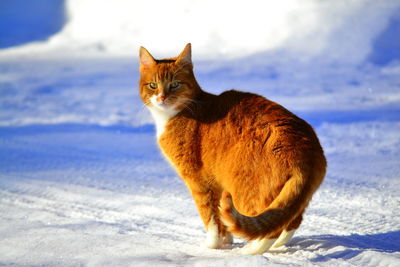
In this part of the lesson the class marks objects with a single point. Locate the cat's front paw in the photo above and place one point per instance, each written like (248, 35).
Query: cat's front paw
(214, 242)
(217, 242)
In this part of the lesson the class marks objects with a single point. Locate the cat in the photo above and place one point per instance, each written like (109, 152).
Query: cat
(251, 165)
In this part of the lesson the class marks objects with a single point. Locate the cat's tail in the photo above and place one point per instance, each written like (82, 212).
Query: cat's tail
(286, 207)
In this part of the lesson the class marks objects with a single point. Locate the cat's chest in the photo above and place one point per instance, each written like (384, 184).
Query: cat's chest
(161, 118)
(180, 143)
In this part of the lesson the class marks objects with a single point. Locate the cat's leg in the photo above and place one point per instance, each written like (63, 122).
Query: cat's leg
(288, 233)
(217, 238)
(214, 238)
(207, 202)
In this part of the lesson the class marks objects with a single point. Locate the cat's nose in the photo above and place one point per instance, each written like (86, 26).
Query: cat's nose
(161, 97)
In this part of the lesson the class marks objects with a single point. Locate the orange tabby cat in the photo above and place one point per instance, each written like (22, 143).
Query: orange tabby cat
(251, 165)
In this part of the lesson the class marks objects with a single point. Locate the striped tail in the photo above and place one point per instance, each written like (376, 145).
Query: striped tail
(286, 207)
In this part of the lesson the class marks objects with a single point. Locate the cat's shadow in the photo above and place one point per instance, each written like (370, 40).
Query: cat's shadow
(351, 245)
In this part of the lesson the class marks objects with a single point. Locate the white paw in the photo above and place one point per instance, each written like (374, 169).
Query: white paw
(283, 238)
(258, 246)
(214, 240)
(214, 244)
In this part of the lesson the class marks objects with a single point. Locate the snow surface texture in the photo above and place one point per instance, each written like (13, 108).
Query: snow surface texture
(82, 181)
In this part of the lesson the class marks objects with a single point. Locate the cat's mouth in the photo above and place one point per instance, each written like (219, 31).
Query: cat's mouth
(161, 104)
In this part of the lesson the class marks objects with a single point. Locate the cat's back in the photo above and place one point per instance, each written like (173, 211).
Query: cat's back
(248, 120)
(243, 108)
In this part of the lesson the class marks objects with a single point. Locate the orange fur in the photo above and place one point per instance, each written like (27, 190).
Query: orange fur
(251, 165)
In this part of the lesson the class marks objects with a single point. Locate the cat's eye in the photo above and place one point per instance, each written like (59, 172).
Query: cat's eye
(174, 85)
(153, 85)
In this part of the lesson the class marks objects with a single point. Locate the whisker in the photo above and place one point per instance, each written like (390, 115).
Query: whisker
(190, 100)
(187, 103)
(144, 106)
(187, 106)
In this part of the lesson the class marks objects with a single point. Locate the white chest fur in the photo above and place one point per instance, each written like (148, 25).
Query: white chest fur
(161, 118)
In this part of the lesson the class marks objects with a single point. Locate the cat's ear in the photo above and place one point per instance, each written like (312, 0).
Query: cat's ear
(185, 57)
(146, 59)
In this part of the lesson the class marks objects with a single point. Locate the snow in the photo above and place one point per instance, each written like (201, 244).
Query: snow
(82, 182)
(337, 30)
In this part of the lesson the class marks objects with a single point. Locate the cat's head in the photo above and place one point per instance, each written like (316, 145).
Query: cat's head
(167, 85)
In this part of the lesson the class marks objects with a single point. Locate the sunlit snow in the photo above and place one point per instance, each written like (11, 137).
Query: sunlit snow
(82, 182)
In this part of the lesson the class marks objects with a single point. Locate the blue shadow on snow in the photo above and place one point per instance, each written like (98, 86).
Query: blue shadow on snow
(66, 146)
(24, 21)
(316, 118)
(354, 244)
(386, 46)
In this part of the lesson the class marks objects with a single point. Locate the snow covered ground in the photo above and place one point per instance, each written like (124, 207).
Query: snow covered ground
(82, 182)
